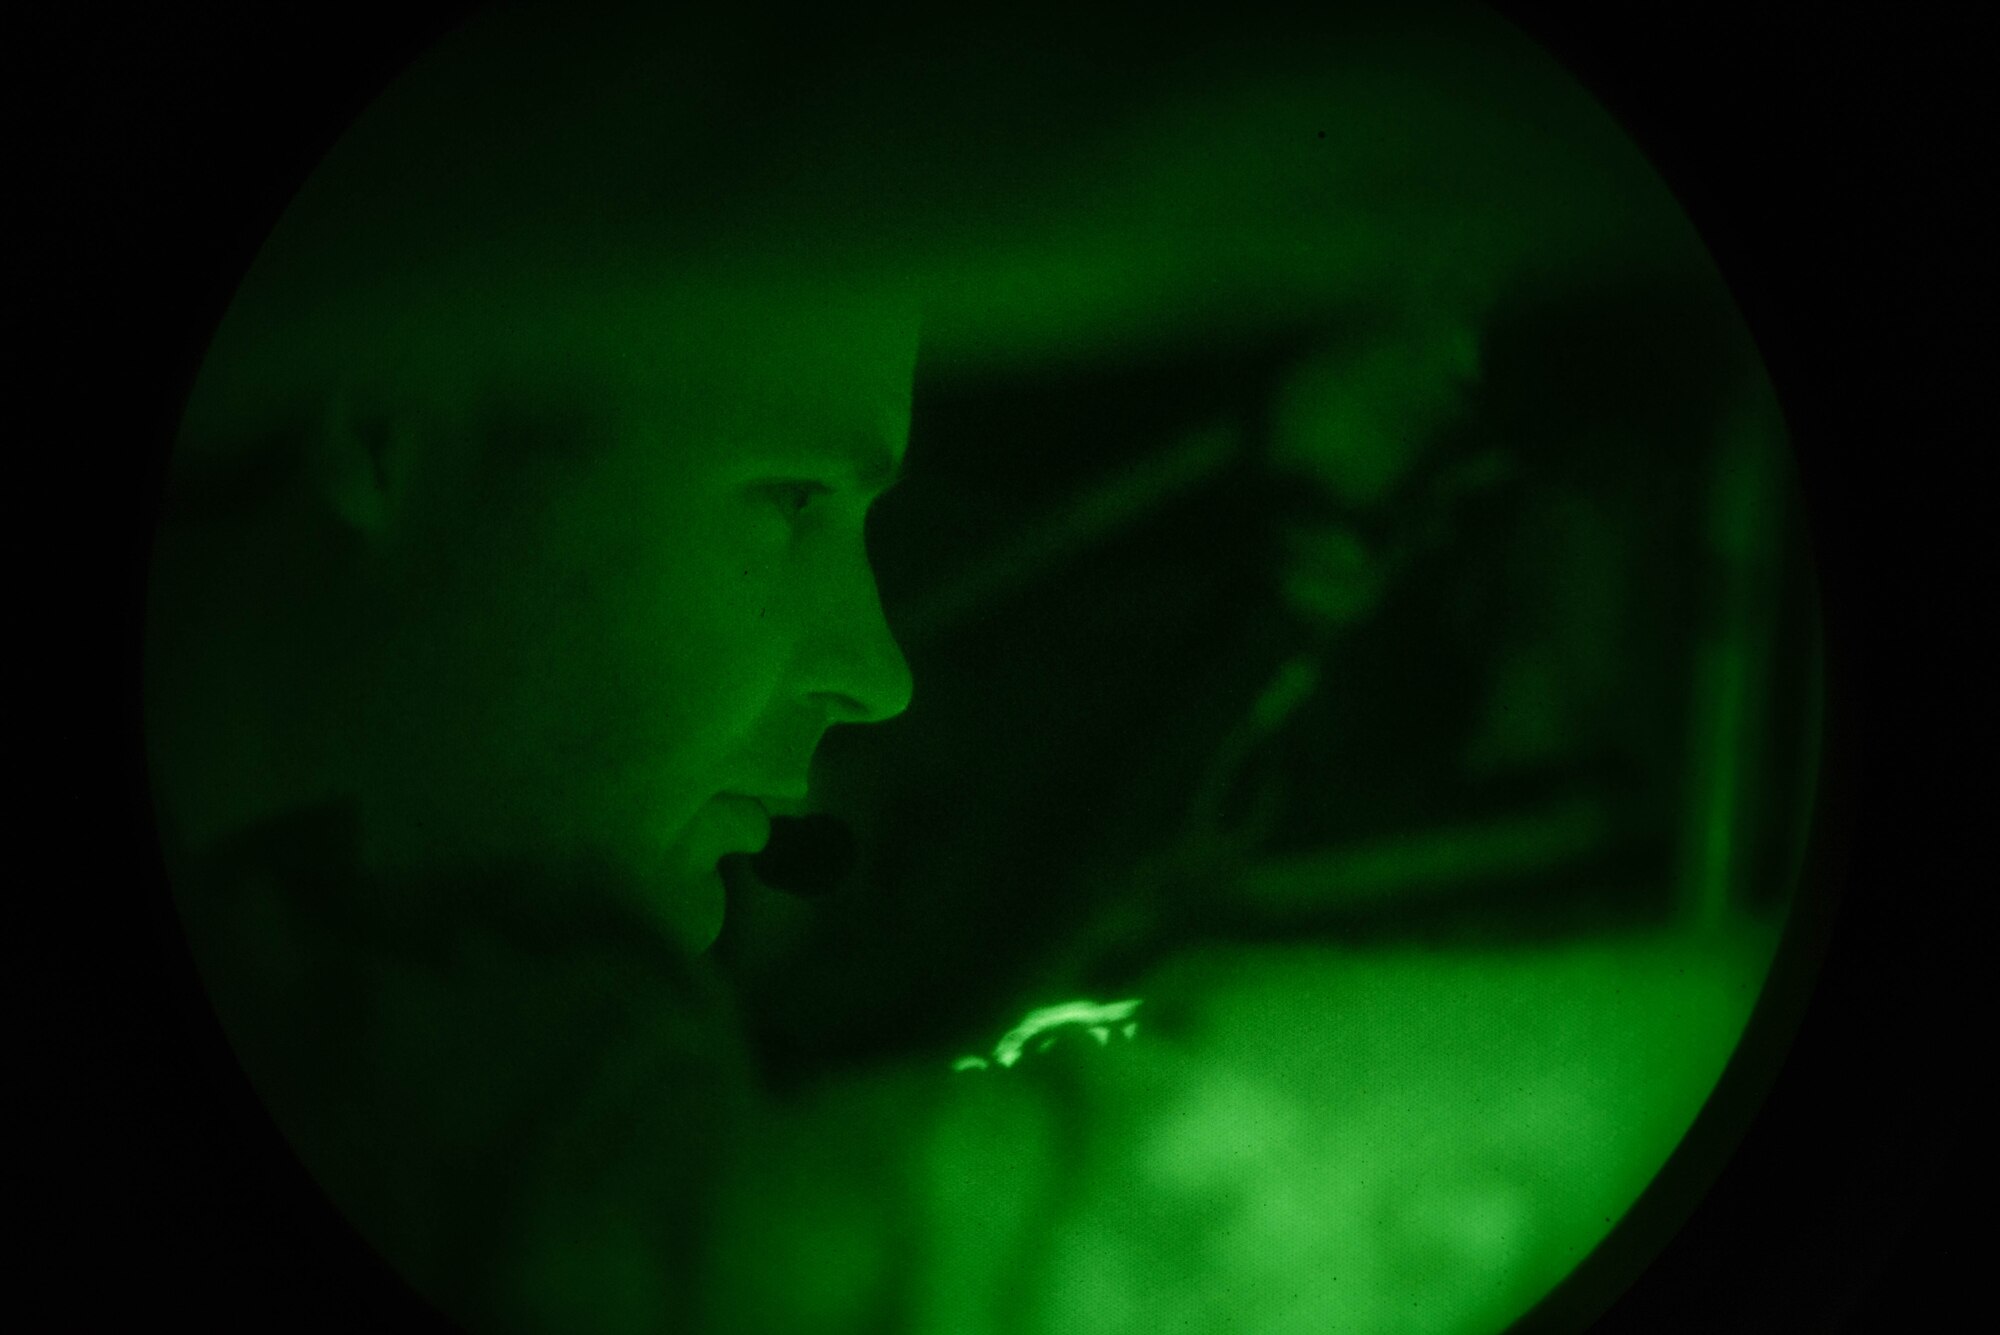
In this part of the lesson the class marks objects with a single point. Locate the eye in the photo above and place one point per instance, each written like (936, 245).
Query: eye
(792, 498)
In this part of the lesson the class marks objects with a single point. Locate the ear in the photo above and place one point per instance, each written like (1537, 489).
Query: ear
(361, 465)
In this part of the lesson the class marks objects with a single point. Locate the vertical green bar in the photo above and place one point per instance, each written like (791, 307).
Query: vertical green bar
(1711, 836)
(1730, 703)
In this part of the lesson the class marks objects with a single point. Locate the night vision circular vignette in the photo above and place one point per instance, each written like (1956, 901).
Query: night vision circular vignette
(823, 675)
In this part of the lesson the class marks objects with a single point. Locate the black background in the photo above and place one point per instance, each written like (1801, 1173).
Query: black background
(1829, 159)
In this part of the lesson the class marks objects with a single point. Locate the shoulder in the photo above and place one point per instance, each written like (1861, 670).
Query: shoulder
(468, 1064)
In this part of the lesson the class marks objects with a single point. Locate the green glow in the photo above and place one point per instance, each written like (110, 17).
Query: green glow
(1093, 1017)
(518, 514)
(1406, 1141)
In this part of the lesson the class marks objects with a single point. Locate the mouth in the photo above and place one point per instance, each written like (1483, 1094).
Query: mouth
(790, 802)
(811, 856)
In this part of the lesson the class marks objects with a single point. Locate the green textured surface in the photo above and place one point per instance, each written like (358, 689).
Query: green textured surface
(1317, 1139)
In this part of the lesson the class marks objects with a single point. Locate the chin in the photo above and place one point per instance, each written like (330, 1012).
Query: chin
(692, 910)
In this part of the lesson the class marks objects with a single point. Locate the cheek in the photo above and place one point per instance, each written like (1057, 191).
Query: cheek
(653, 634)
(688, 640)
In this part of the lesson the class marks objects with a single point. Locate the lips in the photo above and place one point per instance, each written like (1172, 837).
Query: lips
(749, 822)
(789, 803)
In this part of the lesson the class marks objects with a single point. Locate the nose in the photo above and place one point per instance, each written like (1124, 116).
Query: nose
(858, 671)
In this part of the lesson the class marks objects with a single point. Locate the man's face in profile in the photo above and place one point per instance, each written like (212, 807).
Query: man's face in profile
(626, 586)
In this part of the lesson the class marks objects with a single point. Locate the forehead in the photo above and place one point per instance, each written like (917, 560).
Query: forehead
(750, 375)
(771, 358)
(749, 344)
(779, 386)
